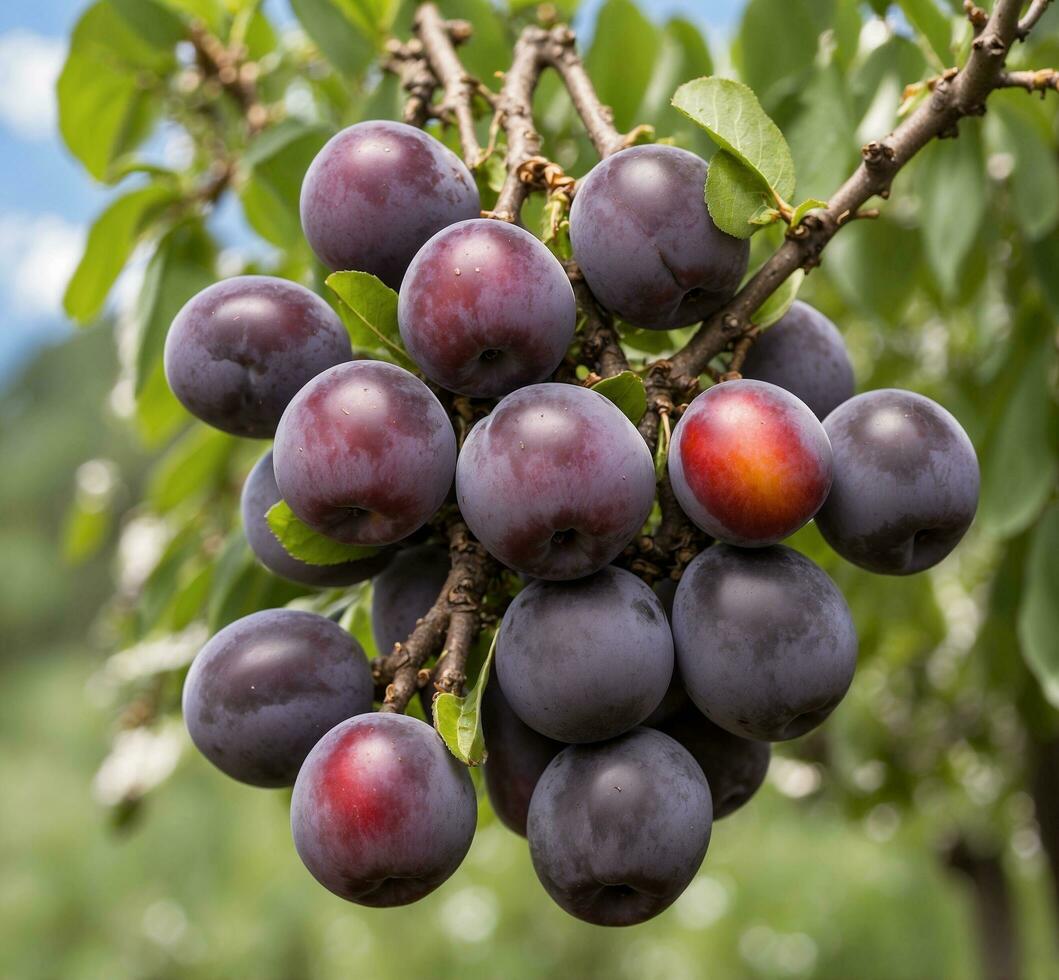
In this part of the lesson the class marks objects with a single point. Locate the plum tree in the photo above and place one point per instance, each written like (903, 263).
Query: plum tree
(405, 591)
(906, 482)
(749, 463)
(260, 493)
(555, 482)
(239, 351)
(618, 830)
(734, 767)
(804, 353)
(587, 660)
(382, 813)
(365, 453)
(485, 308)
(263, 691)
(377, 191)
(764, 639)
(646, 243)
(517, 757)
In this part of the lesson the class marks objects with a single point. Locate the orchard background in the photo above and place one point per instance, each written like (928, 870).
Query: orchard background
(915, 835)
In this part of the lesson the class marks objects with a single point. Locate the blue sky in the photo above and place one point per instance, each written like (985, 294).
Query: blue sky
(46, 200)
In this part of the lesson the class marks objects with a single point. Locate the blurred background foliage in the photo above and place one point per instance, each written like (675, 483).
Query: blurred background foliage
(916, 835)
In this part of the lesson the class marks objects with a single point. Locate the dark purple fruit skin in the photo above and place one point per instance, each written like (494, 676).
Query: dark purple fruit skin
(645, 242)
(587, 660)
(377, 191)
(260, 493)
(517, 756)
(555, 482)
(734, 767)
(905, 484)
(239, 351)
(365, 453)
(405, 591)
(266, 688)
(485, 308)
(765, 641)
(382, 812)
(804, 353)
(618, 830)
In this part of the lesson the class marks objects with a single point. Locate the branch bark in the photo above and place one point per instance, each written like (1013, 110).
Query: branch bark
(453, 619)
(954, 97)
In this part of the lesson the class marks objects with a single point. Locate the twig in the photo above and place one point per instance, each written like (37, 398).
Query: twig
(438, 38)
(1032, 81)
(453, 618)
(952, 99)
(236, 76)
(1030, 18)
(407, 62)
(600, 343)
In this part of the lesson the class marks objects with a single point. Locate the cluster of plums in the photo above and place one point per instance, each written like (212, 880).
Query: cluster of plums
(620, 720)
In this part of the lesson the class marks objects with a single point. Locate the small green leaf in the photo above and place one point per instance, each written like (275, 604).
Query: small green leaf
(356, 620)
(1034, 182)
(777, 305)
(458, 720)
(926, 18)
(735, 196)
(662, 453)
(1038, 623)
(622, 59)
(193, 466)
(627, 391)
(812, 204)
(302, 542)
(335, 35)
(730, 112)
(110, 243)
(369, 310)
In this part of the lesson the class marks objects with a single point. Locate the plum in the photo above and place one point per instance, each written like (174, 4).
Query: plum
(586, 660)
(240, 350)
(646, 243)
(765, 642)
(267, 687)
(617, 830)
(906, 482)
(377, 191)
(749, 463)
(382, 812)
(365, 453)
(485, 308)
(804, 353)
(555, 482)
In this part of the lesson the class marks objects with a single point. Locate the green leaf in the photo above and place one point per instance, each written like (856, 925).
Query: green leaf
(302, 542)
(374, 18)
(181, 266)
(278, 159)
(730, 112)
(333, 33)
(622, 59)
(777, 305)
(659, 342)
(369, 310)
(953, 192)
(822, 139)
(627, 391)
(356, 620)
(1020, 460)
(1034, 180)
(458, 720)
(111, 241)
(935, 26)
(662, 453)
(737, 200)
(211, 12)
(777, 44)
(106, 102)
(154, 22)
(194, 466)
(799, 213)
(1038, 622)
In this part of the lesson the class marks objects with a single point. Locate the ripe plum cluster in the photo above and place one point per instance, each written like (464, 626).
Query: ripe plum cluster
(620, 720)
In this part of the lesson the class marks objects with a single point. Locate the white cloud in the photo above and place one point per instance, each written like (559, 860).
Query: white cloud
(38, 254)
(29, 68)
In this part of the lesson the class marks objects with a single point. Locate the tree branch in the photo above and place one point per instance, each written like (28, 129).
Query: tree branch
(954, 97)
(600, 343)
(1030, 18)
(453, 618)
(407, 62)
(1032, 81)
(235, 75)
(438, 38)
